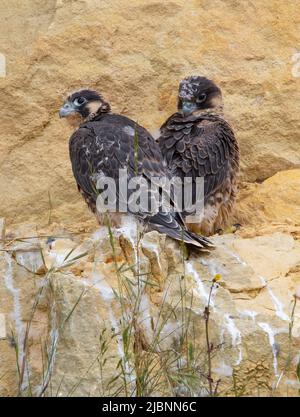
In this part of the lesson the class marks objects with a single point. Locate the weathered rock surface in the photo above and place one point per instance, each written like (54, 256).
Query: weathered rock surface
(274, 202)
(90, 330)
(136, 54)
(77, 314)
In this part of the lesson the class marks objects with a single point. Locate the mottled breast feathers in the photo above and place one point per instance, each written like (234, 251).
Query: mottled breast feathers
(204, 145)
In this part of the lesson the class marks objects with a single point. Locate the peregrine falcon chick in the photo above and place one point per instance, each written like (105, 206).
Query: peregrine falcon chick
(103, 144)
(198, 142)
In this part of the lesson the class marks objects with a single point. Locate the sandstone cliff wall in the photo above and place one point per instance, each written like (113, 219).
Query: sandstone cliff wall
(136, 53)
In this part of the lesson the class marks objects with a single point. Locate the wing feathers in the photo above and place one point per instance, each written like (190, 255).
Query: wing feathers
(206, 147)
(103, 146)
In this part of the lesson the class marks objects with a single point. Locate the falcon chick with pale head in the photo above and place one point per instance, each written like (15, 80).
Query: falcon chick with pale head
(198, 142)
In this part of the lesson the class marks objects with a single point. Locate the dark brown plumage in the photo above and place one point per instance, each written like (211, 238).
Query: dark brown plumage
(106, 142)
(198, 142)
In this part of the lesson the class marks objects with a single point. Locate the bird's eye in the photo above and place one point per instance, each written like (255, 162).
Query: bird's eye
(201, 98)
(79, 101)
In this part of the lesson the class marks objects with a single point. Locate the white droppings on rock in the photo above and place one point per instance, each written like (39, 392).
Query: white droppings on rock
(236, 336)
(100, 234)
(201, 290)
(248, 313)
(145, 315)
(223, 370)
(57, 259)
(128, 368)
(235, 256)
(263, 281)
(271, 332)
(169, 332)
(292, 383)
(31, 260)
(107, 294)
(16, 313)
(99, 282)
(213, 267)
(277, 303)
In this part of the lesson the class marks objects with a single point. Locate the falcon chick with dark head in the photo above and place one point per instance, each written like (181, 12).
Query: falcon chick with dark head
(105, 142)
(198, 142)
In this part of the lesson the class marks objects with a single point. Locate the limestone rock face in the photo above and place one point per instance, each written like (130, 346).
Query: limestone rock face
(135, 54)
(108, 317)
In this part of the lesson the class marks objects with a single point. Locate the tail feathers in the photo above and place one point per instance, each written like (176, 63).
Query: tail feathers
(198, 241)
(166, 223)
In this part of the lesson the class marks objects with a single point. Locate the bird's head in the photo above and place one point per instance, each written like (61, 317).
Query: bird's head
(198, 93)
(83, 105)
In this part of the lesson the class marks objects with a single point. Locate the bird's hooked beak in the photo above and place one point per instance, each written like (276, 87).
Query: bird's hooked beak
(67, 109)
(188, 107)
